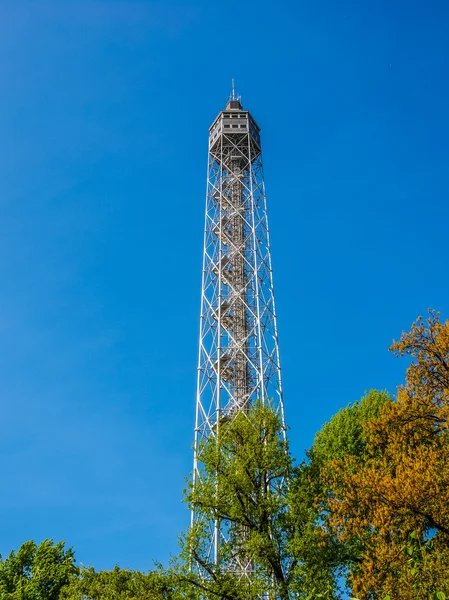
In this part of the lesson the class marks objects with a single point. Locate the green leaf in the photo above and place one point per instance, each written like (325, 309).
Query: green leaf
(441, 596)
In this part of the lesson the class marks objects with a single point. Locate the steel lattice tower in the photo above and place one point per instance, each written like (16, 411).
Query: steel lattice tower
(238, 347)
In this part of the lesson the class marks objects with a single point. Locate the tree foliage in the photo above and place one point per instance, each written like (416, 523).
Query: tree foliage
(341, 438)
(344, 434)
(119, 584)
(394, 497)
(368, 506)
(249, 483)
(36, 572)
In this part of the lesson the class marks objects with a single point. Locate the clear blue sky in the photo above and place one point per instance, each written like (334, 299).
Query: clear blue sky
(104, 114)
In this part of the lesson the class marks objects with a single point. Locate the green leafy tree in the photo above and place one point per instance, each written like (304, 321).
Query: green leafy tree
(343, 435)
(36, 572)
(250, 485)
(120, 584)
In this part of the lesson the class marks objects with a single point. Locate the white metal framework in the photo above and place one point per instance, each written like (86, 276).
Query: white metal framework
(238, 346)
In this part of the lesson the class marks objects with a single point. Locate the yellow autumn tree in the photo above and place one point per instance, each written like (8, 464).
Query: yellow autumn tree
(394, 498)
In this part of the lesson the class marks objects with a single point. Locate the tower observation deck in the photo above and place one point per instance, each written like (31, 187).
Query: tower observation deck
(238, 359)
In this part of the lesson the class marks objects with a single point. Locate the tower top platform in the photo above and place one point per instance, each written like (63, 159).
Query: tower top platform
(234, 121)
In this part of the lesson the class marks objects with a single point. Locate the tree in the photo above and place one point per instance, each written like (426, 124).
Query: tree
(394, 498)
(119, 584)
(250, 485)
(36, 572)
(342, 437)
(344, 434)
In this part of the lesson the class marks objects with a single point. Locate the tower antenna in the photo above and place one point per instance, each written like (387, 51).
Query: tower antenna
(234, 97)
